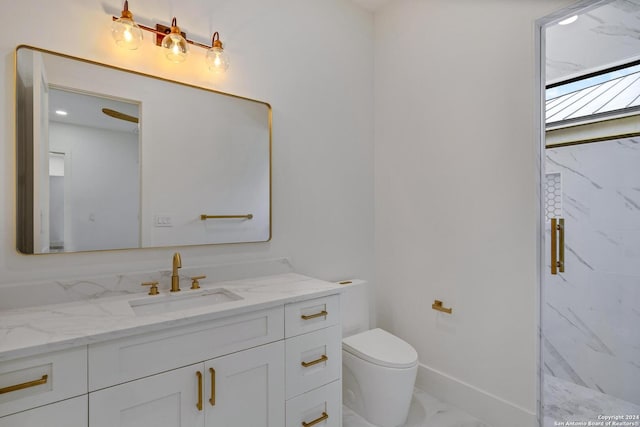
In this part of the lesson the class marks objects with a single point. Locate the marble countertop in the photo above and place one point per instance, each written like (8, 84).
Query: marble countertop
(36, 330)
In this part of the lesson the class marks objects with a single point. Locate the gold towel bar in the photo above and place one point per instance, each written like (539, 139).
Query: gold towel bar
(205, 217)
(437, 305)
(22, 386)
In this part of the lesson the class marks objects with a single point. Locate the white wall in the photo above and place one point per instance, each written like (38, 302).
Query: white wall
(455, 196)
(102, 181)
(284, 52)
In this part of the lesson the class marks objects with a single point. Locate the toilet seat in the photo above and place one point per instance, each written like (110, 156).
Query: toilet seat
(381, 348)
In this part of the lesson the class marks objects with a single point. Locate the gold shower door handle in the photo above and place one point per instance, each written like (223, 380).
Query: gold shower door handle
(557, 245)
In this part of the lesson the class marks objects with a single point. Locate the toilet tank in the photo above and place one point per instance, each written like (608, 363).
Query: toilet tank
(355, 306)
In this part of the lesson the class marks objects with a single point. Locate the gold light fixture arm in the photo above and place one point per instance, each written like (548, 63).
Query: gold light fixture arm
(163, 33)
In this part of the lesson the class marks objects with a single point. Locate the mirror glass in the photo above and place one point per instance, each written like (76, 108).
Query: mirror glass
(111, 159)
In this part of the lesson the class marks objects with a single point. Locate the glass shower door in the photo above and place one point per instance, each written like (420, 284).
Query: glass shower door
(591, 304)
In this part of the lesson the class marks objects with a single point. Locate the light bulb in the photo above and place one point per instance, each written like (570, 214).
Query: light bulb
(175, 44)
(125, 31)
(217, 59)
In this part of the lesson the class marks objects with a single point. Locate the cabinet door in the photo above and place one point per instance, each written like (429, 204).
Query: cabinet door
(163, 400)
(68, 413)
(246, 388)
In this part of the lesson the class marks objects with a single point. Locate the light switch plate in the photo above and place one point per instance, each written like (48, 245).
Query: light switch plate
(162, 221)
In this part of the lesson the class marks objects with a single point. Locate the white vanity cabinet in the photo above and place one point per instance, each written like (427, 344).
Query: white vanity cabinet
(31, 386)
(313, 363)
(243, 388)
(260, 367)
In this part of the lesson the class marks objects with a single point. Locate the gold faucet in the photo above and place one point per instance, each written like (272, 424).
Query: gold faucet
(175, 279)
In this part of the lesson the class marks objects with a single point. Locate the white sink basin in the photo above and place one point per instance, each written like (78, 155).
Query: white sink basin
(182, 301)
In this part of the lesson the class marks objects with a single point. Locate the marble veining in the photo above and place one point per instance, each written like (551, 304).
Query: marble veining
(565, 401)
(38, 329)
(425, 411)
(590, 312)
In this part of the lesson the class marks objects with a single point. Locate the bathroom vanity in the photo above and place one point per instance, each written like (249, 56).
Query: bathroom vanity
(254, 352)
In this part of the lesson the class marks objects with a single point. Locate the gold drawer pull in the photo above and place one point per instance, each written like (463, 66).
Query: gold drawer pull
(199, 404)
(22, 386)
(437, 305)
(322, 358)
(313, 316)
(212, 401)
(323, 417)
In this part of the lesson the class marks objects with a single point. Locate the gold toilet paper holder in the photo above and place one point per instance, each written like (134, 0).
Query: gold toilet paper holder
(437, 305)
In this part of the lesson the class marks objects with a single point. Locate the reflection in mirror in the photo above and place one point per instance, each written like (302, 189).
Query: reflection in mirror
(110, 159)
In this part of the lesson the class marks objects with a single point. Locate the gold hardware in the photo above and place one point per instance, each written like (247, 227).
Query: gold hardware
(199, 404)
(195, 284)
(121, 116)
(346, 282)
(323, 417)
(175, 279)
(557, 245)
(321, 359)
(437, 305)
(153, 290)
(212, 401)
(204, 217)
(561, 245)
(313, 316)
(22, 386)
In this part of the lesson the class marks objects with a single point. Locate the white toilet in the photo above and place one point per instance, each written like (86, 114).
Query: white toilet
(379, 371)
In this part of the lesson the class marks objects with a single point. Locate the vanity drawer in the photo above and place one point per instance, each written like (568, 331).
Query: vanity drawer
(311, 315)
(323, 404)
(40, 380)
(312, 360)
(68, 413)
(126, 359)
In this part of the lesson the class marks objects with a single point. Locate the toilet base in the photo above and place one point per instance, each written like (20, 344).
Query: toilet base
(379, 394)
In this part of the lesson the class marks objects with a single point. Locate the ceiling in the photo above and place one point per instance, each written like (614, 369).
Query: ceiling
(601, 37)
(86, 110)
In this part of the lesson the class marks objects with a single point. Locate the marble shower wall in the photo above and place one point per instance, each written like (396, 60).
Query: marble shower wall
(591, 312)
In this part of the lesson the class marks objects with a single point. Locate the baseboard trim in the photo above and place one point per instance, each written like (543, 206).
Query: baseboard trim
(490, 409)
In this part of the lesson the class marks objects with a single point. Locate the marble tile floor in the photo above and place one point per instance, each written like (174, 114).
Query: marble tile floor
(565, 401)
(425, 411)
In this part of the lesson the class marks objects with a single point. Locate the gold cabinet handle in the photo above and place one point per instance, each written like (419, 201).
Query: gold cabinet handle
(557, 245)
(437, 305)
(22, 386)
(313, 316)
(320, 419)
(199, 404)
(321, 359)
(212, 401)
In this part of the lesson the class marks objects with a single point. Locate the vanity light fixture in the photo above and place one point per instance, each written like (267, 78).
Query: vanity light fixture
(216, 58)
(128, 34)
(175, 44)
(61, 112)
(125, 31)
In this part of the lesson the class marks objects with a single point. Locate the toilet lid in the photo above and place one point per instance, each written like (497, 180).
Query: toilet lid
(381, 348)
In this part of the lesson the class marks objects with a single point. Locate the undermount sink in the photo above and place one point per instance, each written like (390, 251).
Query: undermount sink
(167, 303)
